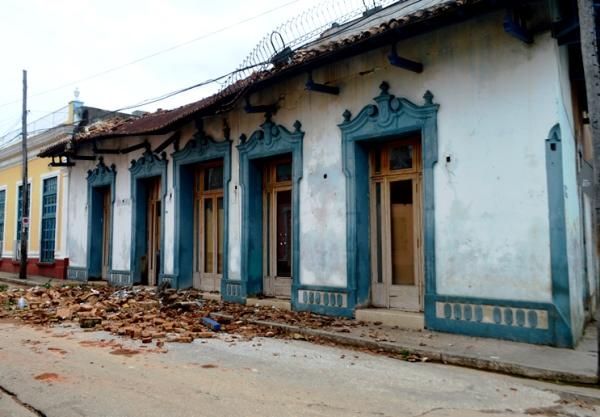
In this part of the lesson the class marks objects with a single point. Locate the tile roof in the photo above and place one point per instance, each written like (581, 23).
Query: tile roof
(399, 15)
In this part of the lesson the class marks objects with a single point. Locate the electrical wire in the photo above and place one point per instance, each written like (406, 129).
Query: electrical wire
(216, 79)
(152, 55)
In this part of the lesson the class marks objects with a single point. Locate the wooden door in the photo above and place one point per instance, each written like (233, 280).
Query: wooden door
(106, 231)
(208, 226)
(153, 229)
(396, 249)
(277, 228)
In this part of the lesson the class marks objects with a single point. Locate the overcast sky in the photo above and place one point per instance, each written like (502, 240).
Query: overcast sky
(62, 41)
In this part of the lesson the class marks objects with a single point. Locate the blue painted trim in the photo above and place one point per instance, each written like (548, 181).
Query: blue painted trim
(457, 321)
(101, 176)
(559, 260)
(390, 117)
(119, 278)
(147, 166)
(77, 273)
(270, 140)
(559, 330)
(328, 302)
(233, 291)
(201, 148)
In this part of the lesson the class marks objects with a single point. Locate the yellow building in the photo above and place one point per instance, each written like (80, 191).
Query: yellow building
(46, 251)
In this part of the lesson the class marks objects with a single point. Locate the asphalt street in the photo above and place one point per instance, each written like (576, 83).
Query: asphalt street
(65, 371)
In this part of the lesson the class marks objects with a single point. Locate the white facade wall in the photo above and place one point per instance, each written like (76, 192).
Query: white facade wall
(498, 100)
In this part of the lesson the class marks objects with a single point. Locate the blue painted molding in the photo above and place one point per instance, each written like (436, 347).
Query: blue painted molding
(147, 166)
(523, 321)
(77, 273)
(200, 148)
(270, 140)
(101, 176)
(520, 321)
(390, 117)
(559, 260)
(333, 301)
(120, 278)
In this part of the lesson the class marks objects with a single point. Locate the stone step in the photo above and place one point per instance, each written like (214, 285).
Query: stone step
(402, 319)
(270, 302)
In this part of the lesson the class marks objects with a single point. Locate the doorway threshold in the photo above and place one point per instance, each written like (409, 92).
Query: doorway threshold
(279, 303)
(390, 317)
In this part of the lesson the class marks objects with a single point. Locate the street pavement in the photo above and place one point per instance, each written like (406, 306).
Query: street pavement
(65, 371)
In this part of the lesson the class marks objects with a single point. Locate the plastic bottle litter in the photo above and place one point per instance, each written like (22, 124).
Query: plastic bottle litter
(22, 303)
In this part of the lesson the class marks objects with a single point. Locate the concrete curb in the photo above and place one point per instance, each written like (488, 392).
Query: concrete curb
(53, 282)
(433, 355)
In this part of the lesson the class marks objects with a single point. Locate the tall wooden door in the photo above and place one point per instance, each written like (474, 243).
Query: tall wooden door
(208, 227)
(396, 237)
(153, 208)
(277, 228)
(106, 230)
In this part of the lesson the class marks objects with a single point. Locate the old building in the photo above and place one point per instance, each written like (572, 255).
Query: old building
(429, 159)
(47, 197)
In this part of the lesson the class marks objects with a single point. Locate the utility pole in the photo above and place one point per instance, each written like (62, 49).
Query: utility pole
(25, 187)
(591, 69)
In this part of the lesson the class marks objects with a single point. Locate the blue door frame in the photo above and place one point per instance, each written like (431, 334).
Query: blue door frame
(390, 117)
(147, 166)
(526, 321)
(201, 148)
(98, 178)
(268, 141)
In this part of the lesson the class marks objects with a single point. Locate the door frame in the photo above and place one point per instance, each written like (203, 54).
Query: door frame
(147, 166)
(391, 117)
(100, 176)
(268, 141)
(271, 187)
(200, 148)
(386, 289)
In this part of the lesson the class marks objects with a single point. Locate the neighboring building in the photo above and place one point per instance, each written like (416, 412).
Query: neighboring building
(431, 159)
(47, 193)
(48, 190)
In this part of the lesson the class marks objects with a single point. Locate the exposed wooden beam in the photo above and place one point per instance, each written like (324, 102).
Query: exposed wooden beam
(320, 88)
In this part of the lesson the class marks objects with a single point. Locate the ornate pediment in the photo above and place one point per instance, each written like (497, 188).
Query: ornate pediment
(388, 113)
(102, 174)
(149, 162)
(270, 135)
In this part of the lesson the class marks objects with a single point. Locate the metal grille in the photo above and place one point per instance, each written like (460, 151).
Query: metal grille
(20, 211)
(304, 28)
(48, 220)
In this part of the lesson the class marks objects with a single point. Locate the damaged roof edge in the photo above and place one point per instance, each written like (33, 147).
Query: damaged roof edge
(445, 14)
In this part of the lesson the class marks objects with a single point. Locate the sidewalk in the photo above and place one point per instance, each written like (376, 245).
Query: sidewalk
(520, 359)
(33, 280)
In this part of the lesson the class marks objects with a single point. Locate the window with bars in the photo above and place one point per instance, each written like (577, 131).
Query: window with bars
(2, 208)
(48, 220)
(20, 210)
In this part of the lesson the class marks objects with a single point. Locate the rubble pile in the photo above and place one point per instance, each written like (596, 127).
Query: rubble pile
(149, 315)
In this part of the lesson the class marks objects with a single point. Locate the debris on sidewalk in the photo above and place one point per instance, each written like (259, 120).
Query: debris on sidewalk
(149, 315)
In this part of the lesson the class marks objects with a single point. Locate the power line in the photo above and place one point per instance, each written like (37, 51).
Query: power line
(152, 55)
(218, 78)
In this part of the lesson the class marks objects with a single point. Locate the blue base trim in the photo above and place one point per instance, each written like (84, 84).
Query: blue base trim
(330, 301)
(76, 273)
(519, 321)
(233, 291)
(170, 278)
(120, 278)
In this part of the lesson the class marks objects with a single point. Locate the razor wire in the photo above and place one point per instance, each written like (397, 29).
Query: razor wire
(302, 29)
